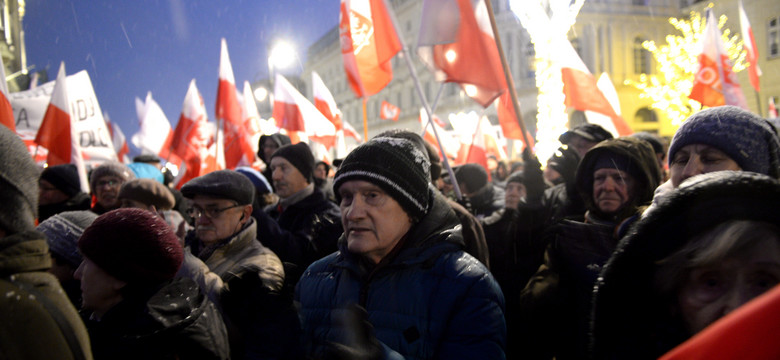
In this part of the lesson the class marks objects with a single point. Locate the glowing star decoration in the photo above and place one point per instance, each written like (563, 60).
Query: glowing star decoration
(677, 62)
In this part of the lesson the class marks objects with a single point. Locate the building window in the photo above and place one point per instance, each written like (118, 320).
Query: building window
(773, 37)
(646, 115)
(530, 58)
(641, 57)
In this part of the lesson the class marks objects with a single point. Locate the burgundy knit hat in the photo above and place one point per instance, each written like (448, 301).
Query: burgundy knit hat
(133, 245)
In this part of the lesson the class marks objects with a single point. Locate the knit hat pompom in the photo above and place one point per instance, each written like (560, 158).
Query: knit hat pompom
(396, 166)
(18, 184)
(300, 156)
(746, 138)
(133, 245)
(111, 168)
(63, 231)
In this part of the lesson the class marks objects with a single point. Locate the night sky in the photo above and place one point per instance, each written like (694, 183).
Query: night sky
(132, 47)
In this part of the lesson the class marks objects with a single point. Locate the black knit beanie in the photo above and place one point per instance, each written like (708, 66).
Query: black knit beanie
(396, 166)
(474, 176)
(222, 184)
(133, 245)
(745, 137)
(300, 156)
(111, 168)
(63, 177)
(18, 184)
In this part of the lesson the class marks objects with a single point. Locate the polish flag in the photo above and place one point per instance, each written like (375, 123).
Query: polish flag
(351, 132)
(492, 143)
(772, 109)
(252, 122)
(119, 140)
(581, 89)
(608, 89)
(324, 102)
(237, 150)
(474, 150)
(6, 111)
(294, 112)
(715, 83)
(155, 134)
(451, 145)
(191, 137)
(368, 42)
(57, 132)
(749, 44)
(456, 40)
(389, 111)
(507, 118)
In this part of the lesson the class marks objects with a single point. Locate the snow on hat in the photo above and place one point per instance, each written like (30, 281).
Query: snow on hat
(133, 245)
(396, 166)
(63, 231)
(746, 138)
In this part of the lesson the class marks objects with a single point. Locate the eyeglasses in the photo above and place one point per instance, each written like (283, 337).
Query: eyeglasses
(110, 183)
(196, 212)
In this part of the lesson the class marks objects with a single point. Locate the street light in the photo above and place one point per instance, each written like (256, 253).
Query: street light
(281, 56)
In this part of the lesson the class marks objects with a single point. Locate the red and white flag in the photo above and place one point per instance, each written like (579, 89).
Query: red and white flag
(192, 134)
(58, 131)
(474, 150)
(324, 102)
(368, 43)
(581, 89)
(749, 44)
(715, 83)
(450, 144)
(507, 118)
(237, 150)
(118, 140)
(252, 122)
(456, 39)
(351, 132)
(772, 109)
(155, 134)
(6, 111)
(293, 112)
(608, 89)
(389, 111)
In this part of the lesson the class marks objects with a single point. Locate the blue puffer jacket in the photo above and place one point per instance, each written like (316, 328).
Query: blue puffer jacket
(432, 301)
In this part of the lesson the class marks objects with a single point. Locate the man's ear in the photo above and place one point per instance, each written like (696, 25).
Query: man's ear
(245, 214)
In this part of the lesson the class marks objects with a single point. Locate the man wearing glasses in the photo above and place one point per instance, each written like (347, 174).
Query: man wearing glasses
(105, 182)
(235, 270)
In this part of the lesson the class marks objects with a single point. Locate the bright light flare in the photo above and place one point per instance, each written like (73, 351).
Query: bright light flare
(260, 94)
(282, 55)
(450, 55)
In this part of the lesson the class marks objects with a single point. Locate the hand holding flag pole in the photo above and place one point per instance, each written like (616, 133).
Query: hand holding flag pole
(420, 93)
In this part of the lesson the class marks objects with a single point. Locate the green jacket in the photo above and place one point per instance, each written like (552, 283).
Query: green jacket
(32, 301)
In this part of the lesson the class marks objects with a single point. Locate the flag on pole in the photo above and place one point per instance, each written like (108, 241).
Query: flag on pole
(237, 150)
(608, 89)
(155, 134)
(351, 132)
(58, 131)
(749, 44)
(389, 111)
(450, 144)
(715, 83)
(581, 89)
(507, 118)
(252, 122)
(456, 40)
(293, 112)
(473, 149)
(191, 137)
(118, 140)
(324, 102)
(772, 109)
(368, 42)
(6, 111)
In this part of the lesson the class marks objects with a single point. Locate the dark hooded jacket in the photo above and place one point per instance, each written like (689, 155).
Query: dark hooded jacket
(631, 320)
(172, 321)
(430, 301)
(280, 140)
(80, 201)
(556, 302)
(32, 303)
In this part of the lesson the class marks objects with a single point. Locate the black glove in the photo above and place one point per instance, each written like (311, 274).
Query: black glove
(361, 342)
(533, 178)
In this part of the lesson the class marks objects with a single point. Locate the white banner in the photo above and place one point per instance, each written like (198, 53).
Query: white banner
(30, 106)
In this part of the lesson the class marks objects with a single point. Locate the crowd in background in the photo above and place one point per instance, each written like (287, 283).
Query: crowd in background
(627, 247)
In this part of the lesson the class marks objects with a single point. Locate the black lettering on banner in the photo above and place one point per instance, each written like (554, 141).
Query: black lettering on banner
(82, 109)
(22, 117)
(92, 138)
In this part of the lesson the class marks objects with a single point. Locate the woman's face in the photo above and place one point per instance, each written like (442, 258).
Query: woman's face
(695, 159)
(710, 292)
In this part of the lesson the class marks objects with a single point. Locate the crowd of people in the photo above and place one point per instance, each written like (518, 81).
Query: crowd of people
(613, 250)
